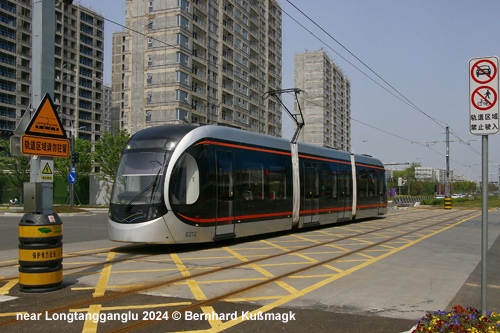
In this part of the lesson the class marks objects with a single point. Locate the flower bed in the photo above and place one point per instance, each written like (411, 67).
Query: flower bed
(459, 320)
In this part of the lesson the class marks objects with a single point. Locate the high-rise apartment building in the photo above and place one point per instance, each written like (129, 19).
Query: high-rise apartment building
(78, 74)
(326, 104)
(201, 61)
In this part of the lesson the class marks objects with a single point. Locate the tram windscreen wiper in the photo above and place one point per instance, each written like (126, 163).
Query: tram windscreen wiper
(139, 195)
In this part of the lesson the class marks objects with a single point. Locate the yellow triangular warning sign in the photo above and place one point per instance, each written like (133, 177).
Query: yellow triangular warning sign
(45, 121)
(46, 170)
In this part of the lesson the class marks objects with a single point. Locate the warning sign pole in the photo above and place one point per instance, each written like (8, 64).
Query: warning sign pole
(44, 31)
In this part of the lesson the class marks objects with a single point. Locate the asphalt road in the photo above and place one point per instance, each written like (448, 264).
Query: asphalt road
(80, 228)
(389, 295)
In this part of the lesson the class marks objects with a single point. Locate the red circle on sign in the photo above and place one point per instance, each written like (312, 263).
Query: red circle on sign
(490, 104)
(483, 70)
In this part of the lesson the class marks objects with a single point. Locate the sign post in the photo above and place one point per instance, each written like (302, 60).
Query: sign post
(484, 120)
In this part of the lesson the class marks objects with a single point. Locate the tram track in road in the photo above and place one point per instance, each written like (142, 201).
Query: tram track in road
(119, 249)
(208, 302)
(200, 304)
(76, 255)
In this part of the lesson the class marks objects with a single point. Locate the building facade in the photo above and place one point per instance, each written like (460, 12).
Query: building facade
(424, 173)
(202, 61)
(78, 61)
(326, 102)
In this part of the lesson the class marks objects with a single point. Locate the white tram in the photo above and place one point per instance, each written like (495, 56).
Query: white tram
(187, 184)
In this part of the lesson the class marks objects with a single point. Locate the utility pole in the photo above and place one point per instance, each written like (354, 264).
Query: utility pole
(447, 190)
(447, 180)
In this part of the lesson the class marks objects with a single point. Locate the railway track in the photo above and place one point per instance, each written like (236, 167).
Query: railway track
(420, 226)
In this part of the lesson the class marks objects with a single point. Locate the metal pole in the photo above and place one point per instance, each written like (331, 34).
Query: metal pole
(484, 236)
(447, 180)
(71, 188)
(42, 75)
(408, 181)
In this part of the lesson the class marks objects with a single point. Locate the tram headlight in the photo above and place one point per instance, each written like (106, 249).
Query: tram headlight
(153, 213)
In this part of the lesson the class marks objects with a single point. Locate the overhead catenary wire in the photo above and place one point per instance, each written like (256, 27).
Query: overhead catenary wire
(399, 137)
(438, 122)
(401, 96)
(395, 92)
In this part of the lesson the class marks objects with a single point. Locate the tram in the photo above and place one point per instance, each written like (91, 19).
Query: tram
(188, 184)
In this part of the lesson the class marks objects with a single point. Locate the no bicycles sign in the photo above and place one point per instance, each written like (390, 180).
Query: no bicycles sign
(483, 96)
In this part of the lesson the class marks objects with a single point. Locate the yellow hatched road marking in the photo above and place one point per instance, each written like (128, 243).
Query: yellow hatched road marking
(310, 276)
(276, 246)
(8, 261)
(304, 257)
(8, 286)
(246, 299)
(90, 326)
(12, 314)
(217, 281)
(103, 280)
(214, 322)
(195, 289)
(338, 270)
(111, 287)
(182, 268)
(287, 287)
(307, 239)
(146, 271)
(236, 254)
(286, 264)
(261, 270)
(288, 298)
(133, 307)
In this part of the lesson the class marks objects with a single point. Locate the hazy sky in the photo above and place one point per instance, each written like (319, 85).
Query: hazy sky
(420, 47)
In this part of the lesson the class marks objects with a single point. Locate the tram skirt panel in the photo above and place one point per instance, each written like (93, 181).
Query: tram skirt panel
(40, 253)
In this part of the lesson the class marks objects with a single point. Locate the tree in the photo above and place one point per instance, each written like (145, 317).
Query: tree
(16, 169)
(108, 151)
(62, 166)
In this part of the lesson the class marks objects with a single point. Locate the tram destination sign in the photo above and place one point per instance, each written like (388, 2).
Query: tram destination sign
(483, 96)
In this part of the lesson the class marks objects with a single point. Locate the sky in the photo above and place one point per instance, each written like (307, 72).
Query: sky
(421, 48)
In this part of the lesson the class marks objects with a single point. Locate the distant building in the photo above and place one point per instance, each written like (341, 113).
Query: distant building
(78, 72)
(440, 175)
(424, 173)
(203, 61)
(326, 103)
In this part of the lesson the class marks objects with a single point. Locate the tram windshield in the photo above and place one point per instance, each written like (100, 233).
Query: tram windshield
(138, 185)
(138, 177)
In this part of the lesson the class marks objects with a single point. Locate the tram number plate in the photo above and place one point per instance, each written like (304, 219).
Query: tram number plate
(190, 233)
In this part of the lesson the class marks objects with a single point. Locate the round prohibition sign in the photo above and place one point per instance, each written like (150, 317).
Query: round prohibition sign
(480, 98)
(483, 69)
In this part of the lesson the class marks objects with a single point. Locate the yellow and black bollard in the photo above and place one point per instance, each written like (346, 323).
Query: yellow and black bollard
(447, 203)
(40, 253)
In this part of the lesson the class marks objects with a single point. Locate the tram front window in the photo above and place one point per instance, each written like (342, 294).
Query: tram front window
(138, 187)
(138, 178)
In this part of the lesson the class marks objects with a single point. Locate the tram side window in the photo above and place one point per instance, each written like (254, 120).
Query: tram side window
(344, 182)
(277, 182)
(185, 189)
(252, 181)
(363, 183)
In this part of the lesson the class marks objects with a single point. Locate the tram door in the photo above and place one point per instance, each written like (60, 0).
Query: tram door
(311, 193)
(344, 184)
(225, 193)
